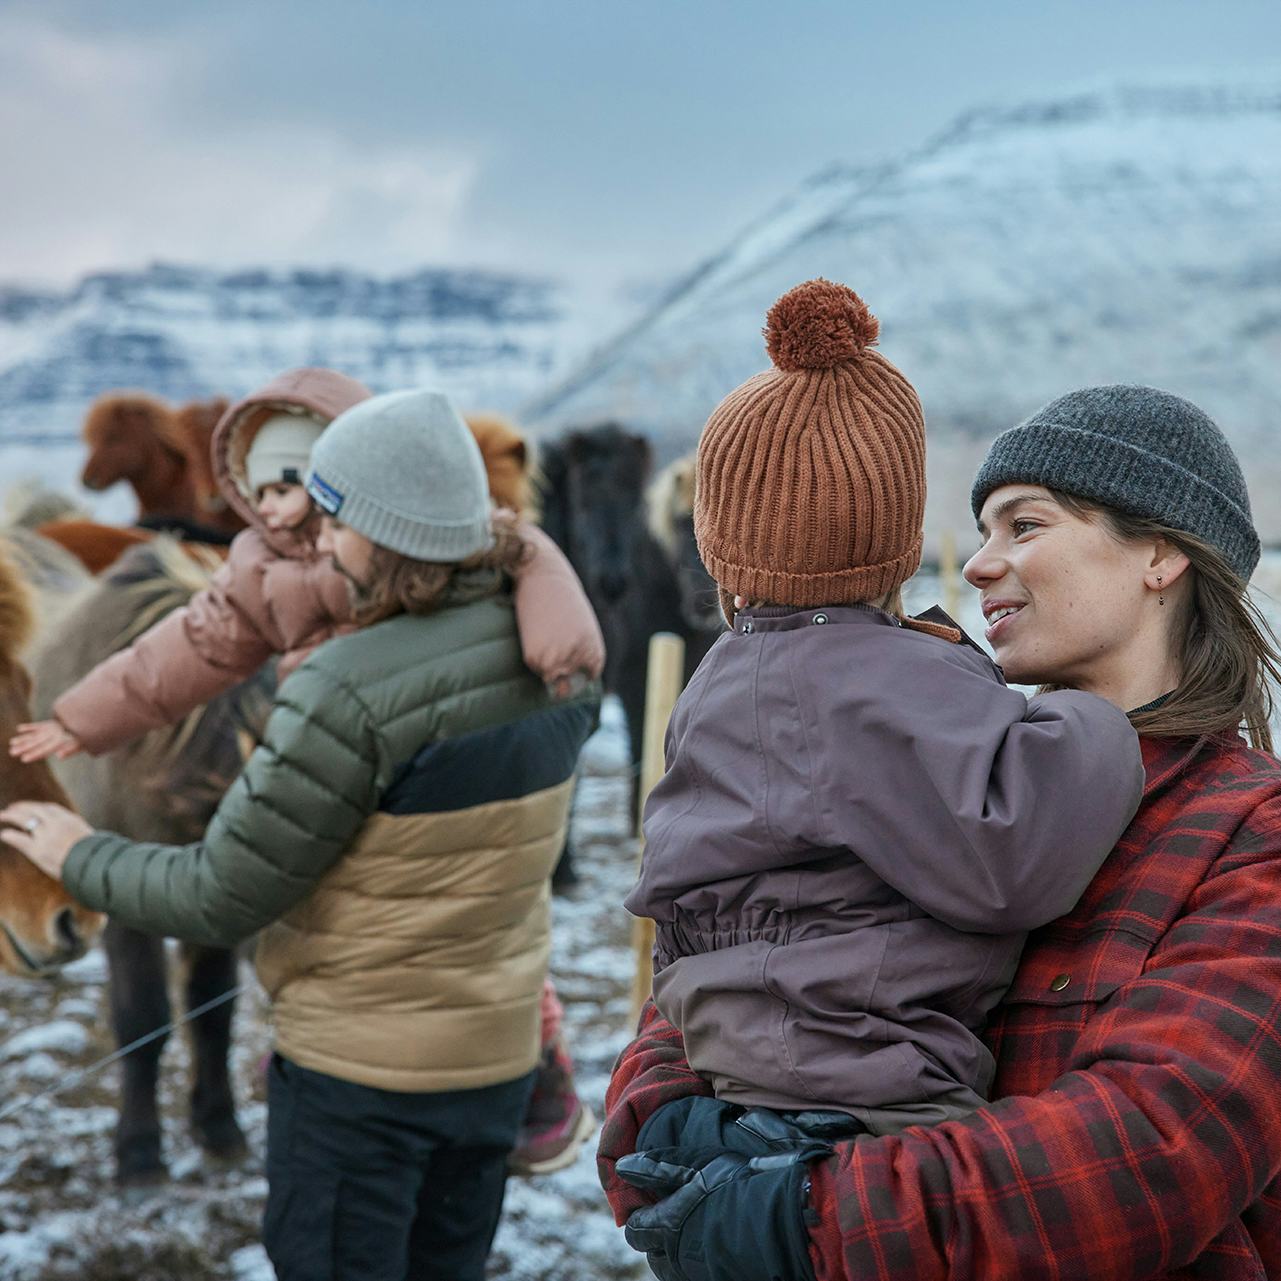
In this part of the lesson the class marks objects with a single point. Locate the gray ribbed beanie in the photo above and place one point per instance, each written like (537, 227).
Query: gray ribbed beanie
(404, 470)
(1138, 450)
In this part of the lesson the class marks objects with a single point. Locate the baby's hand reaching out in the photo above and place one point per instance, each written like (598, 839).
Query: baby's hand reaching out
(41, 739)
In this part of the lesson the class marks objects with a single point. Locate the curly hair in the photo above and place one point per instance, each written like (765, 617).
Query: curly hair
(398, 584)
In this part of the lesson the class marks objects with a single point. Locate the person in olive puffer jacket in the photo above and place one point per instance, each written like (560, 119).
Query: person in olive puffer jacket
(277, 596)
(392, 839)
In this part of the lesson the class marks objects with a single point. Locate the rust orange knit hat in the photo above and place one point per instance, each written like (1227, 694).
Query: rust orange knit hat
(811, 476)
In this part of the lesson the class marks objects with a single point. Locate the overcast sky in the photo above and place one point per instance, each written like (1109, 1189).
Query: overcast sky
(590, 139)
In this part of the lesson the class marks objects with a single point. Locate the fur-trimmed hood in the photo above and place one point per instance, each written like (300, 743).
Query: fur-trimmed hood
(323, 392)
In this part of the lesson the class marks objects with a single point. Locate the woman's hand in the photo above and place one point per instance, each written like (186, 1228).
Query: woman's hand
(723, 1216)
(44, 832)
(40, 739)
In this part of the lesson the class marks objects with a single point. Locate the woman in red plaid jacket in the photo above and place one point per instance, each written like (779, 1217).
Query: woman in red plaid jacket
(1135, 1125)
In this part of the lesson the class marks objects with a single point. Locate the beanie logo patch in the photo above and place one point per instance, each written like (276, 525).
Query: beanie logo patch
(326, 497)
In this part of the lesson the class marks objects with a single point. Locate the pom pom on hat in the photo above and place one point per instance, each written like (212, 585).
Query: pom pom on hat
(818, 324)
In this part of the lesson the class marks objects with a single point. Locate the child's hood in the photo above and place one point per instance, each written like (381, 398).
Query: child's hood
(322, 392)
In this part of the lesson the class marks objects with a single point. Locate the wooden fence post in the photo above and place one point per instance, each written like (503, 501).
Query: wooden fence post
(664, 677)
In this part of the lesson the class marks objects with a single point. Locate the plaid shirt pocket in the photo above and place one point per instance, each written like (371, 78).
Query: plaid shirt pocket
(1063, 983)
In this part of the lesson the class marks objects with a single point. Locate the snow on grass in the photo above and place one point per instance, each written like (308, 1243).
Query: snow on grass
(63, 1036)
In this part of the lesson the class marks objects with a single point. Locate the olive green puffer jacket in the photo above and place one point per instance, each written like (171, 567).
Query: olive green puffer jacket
(394, 834)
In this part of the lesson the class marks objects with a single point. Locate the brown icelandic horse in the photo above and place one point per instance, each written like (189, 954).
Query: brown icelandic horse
(506, 458)
(593, 484)
(41, 926)
(164, 454)
(162, 788)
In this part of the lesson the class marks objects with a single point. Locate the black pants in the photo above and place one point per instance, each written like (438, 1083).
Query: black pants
(376, 1185)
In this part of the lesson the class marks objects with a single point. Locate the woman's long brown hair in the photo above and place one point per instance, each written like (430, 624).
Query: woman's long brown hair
(1227, 652)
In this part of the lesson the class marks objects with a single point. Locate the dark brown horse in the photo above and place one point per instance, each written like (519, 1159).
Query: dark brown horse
(163, 788)
(163, 454)
(593, 504)
(41, 926)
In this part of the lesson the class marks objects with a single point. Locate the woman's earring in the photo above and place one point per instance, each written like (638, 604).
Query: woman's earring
(1160, 600)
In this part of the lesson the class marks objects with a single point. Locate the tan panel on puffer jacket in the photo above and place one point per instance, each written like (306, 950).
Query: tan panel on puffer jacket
(417, 962)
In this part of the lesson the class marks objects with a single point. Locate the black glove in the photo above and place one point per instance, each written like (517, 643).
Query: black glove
(699, 1122)
(724, 1216)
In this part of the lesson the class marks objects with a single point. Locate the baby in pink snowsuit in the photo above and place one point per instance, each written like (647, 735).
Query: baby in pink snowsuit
(277, 596)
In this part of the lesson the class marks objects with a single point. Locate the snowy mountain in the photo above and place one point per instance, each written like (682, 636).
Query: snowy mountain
(1126, 235)
(185, 332)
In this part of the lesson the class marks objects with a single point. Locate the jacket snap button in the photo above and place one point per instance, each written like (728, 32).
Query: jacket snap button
(747, 627)
(820, 618)
(1059, 982)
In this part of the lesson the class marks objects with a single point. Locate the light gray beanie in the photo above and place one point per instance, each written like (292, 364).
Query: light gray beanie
(1137, 450)
(404, 470)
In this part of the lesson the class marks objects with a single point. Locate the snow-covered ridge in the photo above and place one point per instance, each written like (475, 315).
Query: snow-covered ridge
(186, 331)
(1122, 234)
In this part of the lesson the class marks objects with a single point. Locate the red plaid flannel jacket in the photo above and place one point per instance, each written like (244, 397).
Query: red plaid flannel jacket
(1135, 1128)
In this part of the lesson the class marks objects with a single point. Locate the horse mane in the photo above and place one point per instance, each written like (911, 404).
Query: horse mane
(177, 772)
(506, 456)
(557, 457)
(549, 498)
(669, 496)
(52, 576)
(17, 617)
(148, 582)
(135, 411)
(196, 422)
(30, 503)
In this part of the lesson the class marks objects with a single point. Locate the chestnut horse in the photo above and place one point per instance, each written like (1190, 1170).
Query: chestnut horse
(162, 788)
(506, 460)
(164, 455)
(41, 927)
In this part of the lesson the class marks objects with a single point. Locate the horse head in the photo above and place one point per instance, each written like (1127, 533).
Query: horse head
(41, 926)
(593, 506)
(670, 504)
(137, 438)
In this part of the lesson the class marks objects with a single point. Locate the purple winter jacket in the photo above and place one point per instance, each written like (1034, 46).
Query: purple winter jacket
(858, 825)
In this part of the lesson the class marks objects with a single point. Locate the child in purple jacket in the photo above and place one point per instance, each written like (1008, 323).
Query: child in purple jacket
(860, 821)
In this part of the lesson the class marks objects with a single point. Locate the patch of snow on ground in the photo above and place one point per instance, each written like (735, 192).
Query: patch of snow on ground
(64, 1036)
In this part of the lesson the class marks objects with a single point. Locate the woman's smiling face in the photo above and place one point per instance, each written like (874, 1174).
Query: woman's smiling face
(1065, 601)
